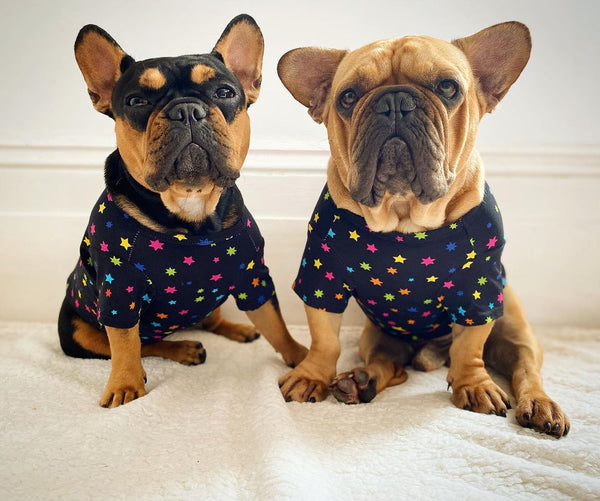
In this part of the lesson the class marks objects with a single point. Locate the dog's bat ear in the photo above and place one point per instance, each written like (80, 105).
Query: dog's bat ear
(497, 56)
(307, 73)
(241, 46)
(102, 62)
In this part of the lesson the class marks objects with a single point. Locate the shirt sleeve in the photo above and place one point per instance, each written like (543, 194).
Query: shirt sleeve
(253, 284)
(482, 280)
(321, 280)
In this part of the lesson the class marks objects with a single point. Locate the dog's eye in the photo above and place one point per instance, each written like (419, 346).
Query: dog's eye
(224, 93)
(448, 89)
(348, 99)
(136, 101)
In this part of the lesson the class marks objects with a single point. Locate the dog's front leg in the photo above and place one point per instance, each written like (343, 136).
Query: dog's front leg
(308, 382)
(127, 376)
(268, 321)
(472, 387)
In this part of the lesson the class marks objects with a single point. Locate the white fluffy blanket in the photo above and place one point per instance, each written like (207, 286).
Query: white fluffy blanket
(222, 430)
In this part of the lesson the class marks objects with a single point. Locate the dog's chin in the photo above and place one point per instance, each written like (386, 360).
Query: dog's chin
(397, 174)
(192, 169)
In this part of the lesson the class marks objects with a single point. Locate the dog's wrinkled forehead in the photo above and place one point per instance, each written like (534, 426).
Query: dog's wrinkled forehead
(411, 60)
(149, 85)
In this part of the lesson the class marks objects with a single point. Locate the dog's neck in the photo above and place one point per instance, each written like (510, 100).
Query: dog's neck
(407, 214)
(148, 209)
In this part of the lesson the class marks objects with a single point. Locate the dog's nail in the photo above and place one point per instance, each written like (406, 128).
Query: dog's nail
(312, 400)
(503, 413)
(547, 427)
(448, 387)
(567, 429)
(556, 427)
(508, 406)
(527, 417)
(288, 399)
(467, 407)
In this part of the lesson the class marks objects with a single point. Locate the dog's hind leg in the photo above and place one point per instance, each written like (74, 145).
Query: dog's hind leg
(82, 340)
(242, 333)
(385, 358)
(514, 351)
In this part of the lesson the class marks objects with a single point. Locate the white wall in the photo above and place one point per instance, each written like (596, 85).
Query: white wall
(542, 146)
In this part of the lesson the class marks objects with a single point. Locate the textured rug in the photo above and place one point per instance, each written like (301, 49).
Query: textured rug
(222, 431)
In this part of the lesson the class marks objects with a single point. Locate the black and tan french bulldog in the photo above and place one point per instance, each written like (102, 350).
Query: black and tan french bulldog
(408, 226)
(170, 238)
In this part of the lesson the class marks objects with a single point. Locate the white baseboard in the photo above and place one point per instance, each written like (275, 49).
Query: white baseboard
(548, 199)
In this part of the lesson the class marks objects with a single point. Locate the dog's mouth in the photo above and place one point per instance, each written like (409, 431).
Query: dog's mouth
(193, 166)
(399, 153)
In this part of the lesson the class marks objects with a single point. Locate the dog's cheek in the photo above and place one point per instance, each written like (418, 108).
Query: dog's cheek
(239, 134)
(462, 133)
(130, 143)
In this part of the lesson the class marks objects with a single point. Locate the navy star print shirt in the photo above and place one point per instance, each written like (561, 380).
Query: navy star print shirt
(408, 284)
(128, 273)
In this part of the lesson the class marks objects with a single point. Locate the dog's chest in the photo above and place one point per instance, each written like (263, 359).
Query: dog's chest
(415, 284)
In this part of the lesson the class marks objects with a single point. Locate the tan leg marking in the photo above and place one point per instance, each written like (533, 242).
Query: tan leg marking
(513, 350)
(269, 322)
(472, 387)
(308, 382)
(242, 333)
(126, 380)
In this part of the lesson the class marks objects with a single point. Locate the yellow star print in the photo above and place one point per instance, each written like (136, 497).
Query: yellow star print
(354, 235)
(318, 263)
(125, 243)
(399, 259)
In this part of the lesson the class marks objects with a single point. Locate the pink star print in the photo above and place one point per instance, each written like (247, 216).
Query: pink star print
(329, 275)
(216, 278)
(188, 260)
(448, 285)
(103, 246)
(427, 261)
(171, 290)
(129, 289)
(156, 245)
(500, 297)
(492, 242)
(215, 260)
(184, 312)
(92, 229)
(325, 247)
(372, 248)
(399, 239)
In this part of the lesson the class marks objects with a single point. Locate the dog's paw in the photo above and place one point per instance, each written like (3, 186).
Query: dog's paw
(242, 333)
(300, 385)
(485, 397)
(122, 389)
(189, 353)
(294, 355)
(542, 414)
(354, 387)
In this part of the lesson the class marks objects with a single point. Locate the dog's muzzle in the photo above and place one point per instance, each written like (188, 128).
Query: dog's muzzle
(398, 146)
(187, 149)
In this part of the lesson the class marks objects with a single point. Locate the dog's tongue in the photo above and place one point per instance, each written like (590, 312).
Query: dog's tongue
(191, 162)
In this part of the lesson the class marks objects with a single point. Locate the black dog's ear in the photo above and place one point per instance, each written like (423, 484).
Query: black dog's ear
(307, 73)
(241, 46)
(497, 56)
(102, 61)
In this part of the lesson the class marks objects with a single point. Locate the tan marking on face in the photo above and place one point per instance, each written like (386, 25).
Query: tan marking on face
(152, 78)
(132, 147)
(201, 73)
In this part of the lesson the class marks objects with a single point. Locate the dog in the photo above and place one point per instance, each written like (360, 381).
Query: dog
(170, 238)
(408, 226)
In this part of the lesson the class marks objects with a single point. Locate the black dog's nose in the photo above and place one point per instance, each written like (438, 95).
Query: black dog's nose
(395, 103)
(187, 112)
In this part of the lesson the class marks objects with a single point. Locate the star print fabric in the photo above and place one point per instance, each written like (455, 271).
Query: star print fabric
(128, 273)
(408, 284)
